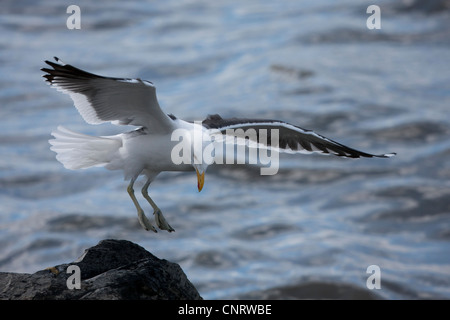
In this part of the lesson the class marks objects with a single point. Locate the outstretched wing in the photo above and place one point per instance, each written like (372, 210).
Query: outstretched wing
(291, 139)
(105, 99)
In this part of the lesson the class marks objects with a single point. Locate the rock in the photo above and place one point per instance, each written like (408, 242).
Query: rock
(113, 269)
(313, 289)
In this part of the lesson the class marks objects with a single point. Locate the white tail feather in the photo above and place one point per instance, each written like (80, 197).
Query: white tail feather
(78, 151)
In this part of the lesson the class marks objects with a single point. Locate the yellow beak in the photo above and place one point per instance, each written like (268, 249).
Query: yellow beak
(200, 180)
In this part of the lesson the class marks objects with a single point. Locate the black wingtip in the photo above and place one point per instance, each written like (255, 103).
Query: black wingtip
(53, 64)
(49, 76)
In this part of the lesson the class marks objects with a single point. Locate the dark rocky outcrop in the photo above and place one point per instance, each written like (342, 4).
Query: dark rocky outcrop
(113, 269)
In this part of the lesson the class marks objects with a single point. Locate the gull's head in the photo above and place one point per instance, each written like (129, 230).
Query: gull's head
(202, 151)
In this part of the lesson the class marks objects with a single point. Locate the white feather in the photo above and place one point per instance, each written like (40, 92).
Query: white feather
(79, 151)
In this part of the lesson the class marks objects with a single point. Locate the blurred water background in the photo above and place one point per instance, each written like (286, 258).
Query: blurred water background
(310, 231)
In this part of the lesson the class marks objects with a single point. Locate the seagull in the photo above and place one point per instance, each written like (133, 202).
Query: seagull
(148, 150)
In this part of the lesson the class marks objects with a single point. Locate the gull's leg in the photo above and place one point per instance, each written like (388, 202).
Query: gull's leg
(159, 218)
(143, 220)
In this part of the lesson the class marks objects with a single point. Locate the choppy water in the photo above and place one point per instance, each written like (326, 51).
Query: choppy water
(309, 231)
